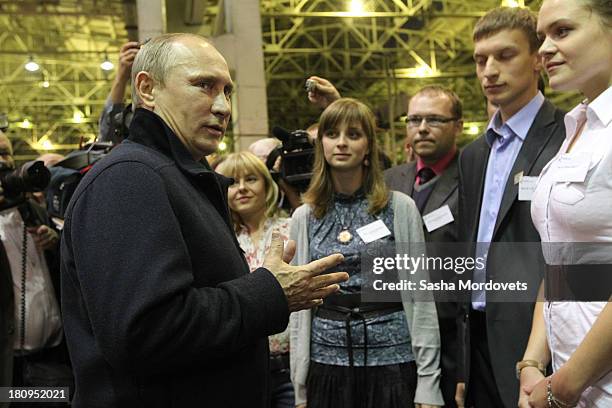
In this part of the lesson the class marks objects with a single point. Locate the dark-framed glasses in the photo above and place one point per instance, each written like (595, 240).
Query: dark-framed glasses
(433, 121)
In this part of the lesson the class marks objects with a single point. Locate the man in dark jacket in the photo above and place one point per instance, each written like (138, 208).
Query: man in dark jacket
(521, 137)
(159, 306)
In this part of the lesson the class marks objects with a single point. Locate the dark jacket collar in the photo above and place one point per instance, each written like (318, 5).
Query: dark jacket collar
(149, 129)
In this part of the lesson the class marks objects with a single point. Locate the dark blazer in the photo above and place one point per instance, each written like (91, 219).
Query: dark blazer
(445, 192)
(7, 326)
(508, 324)
(160, 309)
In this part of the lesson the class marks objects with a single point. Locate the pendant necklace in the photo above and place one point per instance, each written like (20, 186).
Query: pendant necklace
(344, 236)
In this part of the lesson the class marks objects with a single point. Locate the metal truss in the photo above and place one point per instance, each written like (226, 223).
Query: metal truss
(58, 106)
(380, 56)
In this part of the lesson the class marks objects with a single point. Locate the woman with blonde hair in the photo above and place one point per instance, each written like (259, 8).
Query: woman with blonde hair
(571, 210)
(348, 353)
(252, 201)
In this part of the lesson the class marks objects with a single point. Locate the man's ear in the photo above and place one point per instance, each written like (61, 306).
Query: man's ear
(144, 88)
(458, 127)
(538, 63)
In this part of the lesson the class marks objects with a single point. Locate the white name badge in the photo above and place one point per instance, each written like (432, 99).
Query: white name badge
(438, 218)
(572, 167)
(373, 231)
(527, 186)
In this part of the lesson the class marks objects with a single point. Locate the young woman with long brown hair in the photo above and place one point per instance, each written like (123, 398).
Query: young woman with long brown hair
(348, 353)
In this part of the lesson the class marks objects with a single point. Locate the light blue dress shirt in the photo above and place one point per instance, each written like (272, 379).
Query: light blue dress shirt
(505, 140)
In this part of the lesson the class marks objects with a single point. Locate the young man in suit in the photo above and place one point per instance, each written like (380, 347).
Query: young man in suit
(433, 123)
(522, 136)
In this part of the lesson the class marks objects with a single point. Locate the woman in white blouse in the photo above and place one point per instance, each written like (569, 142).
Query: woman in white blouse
(572, 210)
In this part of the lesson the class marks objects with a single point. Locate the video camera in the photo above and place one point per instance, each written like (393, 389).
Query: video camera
(120, 119)
(297, 157)
(32, 176)
(66, 175)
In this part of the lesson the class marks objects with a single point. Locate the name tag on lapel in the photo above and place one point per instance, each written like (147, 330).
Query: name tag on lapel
(438, 218)
(572, 167)
(373, 231)
(527, 186)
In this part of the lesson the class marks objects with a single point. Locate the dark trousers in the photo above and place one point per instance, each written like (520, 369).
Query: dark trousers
(50, 371)
(481, 389)
(448, 360)
(280, 382)
(282, 390)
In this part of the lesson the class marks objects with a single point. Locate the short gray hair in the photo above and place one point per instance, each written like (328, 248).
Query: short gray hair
(157, 57)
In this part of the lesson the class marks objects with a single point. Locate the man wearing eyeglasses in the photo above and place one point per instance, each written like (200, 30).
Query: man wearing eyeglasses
(433, 123)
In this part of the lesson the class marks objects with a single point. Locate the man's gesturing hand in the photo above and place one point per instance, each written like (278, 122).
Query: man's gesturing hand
(303, 285)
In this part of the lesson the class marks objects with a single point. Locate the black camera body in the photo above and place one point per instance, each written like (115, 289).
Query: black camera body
(32, 176)
(297, 157)
(120, 119)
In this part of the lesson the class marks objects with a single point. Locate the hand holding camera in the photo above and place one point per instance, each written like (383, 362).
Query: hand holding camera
(44, 237)
(127, 53)
(321, 92)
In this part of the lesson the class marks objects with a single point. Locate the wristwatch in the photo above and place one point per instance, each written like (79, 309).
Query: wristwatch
(529, 363)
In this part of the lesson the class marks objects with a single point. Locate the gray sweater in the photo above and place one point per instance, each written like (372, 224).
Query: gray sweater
(421, 316)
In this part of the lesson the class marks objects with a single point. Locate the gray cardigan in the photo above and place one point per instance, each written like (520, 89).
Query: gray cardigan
(421, 316)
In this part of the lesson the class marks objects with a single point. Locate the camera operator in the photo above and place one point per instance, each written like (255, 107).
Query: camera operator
(266, 148)
(31, 248)
(116, 115)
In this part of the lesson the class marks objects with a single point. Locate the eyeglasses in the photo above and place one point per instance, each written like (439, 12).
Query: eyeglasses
(433, 121)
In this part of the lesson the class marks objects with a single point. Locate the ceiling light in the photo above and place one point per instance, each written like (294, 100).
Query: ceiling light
(31, 65)
(423, 71)
(356, 7)
(222, 146)
(513, 3)
(472, 128)
(44, 84)
(26, 124)
(47, 145)
(77, 117)
(106, 65)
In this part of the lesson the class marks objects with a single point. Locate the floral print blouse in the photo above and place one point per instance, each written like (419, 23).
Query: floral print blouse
(255, 254)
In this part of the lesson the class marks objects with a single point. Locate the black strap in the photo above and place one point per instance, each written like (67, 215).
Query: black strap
(22, 312)
(580, 283)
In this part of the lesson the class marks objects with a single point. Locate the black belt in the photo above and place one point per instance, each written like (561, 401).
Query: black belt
(279, 362)
(581, 283)
(347, 307)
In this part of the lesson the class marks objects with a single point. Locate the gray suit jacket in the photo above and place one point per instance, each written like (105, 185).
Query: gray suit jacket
(508, 324)
(445, 192)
